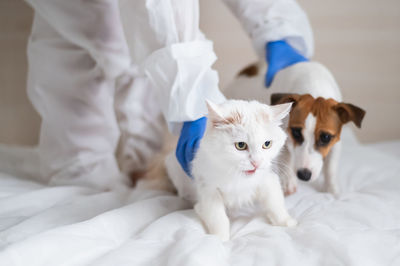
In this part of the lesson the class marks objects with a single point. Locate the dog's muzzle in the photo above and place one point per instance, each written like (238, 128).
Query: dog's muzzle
(304, 174)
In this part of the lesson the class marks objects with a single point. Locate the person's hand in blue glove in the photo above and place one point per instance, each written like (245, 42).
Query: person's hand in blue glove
(191, 134)
(279, 54)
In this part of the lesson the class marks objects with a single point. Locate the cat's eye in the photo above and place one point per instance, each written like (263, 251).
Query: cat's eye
(297, 135)
(267, 144)
(241, 145)
(324, 139)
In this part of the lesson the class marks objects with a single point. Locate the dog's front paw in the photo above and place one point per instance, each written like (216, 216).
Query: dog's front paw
(333, 189)
(289, 186)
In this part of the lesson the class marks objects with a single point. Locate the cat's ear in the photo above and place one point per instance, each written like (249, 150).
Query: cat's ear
(214, 114)
(280, 111)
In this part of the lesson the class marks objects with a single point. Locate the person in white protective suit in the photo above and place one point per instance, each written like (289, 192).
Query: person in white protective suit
(104, 72)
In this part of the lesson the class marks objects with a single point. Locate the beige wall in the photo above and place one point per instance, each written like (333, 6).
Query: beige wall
(18, 121)
(358, 40)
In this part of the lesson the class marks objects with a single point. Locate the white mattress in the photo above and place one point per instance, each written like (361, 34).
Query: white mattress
(42, 225)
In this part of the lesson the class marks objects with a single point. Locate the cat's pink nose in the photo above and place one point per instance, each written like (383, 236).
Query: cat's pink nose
(255, 164)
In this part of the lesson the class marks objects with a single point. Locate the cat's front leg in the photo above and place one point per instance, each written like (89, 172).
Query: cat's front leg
(272, 201)
(211, 210)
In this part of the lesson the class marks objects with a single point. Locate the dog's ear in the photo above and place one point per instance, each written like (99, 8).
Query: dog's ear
(348, 112)
(279, 98)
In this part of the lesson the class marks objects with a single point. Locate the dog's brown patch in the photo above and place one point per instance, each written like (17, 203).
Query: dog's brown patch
(330, 116)
(328, 121)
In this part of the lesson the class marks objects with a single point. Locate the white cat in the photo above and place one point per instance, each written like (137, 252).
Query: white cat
(233, 165)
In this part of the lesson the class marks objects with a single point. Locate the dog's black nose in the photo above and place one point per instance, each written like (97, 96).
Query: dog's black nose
(304, 174)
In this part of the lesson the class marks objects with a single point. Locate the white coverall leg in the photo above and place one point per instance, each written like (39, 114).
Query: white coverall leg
(76, 51)
(141, 123)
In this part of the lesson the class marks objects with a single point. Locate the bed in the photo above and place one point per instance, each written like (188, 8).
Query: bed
(43, 225)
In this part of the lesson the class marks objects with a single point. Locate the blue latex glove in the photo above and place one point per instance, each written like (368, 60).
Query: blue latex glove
(188, 143)
(280, 55)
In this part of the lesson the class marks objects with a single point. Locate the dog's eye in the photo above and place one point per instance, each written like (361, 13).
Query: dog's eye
(267, 144)
(324, 138)
(296, 133)
(241, 146)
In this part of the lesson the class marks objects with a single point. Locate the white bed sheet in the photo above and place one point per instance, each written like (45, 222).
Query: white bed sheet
(42, 225)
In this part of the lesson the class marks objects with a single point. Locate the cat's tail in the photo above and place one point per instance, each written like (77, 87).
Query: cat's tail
(252, 70)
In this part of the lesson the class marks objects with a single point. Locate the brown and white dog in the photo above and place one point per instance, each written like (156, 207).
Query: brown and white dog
(315, 121)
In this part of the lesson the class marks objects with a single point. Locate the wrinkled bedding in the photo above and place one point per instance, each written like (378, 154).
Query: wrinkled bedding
(72, 225)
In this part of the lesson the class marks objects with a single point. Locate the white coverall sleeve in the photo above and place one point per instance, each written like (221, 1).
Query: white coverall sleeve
(273, 20)
(181, 70)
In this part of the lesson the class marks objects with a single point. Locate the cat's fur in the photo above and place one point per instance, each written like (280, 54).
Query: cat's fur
(219, 168)
(225, 177)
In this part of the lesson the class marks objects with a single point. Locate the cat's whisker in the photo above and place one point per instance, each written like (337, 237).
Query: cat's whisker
(280, 166)
(281, 169)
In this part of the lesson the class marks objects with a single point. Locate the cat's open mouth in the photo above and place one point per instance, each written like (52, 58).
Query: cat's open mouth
(250, 172)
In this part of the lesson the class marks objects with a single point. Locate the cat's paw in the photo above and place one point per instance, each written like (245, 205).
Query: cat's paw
(224, 236)
(289, 186)
(287, 222)
(290, 222)
(221, 233)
